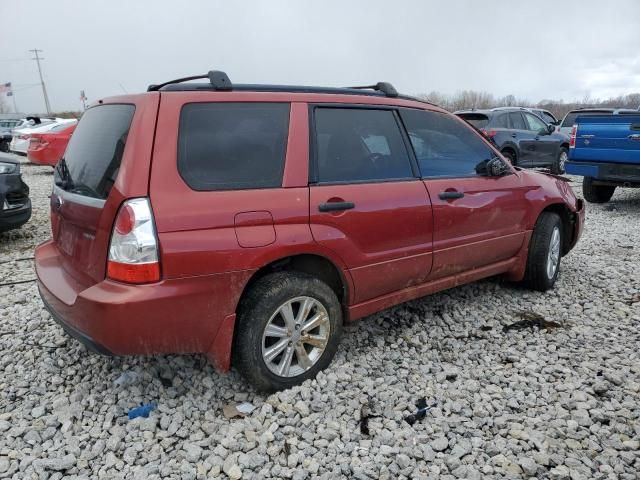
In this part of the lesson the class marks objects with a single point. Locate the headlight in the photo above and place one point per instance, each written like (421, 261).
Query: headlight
(9, 167)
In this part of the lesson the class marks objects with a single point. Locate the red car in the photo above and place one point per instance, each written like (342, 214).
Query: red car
(48, 148)
(249, 222)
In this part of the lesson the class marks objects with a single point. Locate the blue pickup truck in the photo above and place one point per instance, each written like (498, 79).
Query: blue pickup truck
(605, 150)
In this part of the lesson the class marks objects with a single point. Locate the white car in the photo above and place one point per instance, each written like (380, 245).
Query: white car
(22, 136)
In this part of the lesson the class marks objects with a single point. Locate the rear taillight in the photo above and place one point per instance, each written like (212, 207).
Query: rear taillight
(489, 133)
(572, 137)
(133, 252)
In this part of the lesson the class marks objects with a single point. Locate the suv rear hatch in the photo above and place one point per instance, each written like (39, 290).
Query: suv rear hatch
(106, 162)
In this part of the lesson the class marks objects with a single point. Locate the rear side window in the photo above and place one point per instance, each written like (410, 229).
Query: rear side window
(93, 156)
(501, 121)
(358, 145)
(516, 121)
(230, 146)
(444, 146)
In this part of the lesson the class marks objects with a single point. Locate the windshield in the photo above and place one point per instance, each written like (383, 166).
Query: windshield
(92, 159)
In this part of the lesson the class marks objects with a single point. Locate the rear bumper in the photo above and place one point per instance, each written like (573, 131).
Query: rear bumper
(41, 156)
(606, 172)
(183, 315)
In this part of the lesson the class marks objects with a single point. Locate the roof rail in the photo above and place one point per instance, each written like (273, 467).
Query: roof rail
(219, 81)
(384, 87)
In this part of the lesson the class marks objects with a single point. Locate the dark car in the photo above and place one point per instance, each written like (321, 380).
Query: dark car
(15, 206)
(244, 221)
(522, 137)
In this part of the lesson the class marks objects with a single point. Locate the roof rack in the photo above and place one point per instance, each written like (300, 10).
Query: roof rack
(218, 80)
(384, 87)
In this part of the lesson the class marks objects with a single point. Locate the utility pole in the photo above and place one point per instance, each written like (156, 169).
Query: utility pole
(44, 89)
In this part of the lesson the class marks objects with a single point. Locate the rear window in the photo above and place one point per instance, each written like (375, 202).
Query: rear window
(570, 118)
(229, 146)
(476, 119)
(92, 159)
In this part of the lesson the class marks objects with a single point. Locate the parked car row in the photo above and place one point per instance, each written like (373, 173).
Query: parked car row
(21, 137)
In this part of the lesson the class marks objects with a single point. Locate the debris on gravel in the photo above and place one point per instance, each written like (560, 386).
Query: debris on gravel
(527, 402)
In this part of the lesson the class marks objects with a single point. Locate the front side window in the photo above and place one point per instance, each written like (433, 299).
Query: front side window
(535, 124)
(230, 146)
(358, 145)
(444, 146)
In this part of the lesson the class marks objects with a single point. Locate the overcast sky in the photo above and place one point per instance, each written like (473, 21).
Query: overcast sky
(559, 49)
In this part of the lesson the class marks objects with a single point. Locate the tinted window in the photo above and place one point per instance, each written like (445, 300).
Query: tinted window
(570, 118)
(476, 119)
(547, 117)
(94, 153)
(535, 124)
(359, 145)
(226, 146)
(501, 121)
(516, 121)
(444, 146)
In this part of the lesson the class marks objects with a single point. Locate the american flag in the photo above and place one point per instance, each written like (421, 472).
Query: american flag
(6, 89)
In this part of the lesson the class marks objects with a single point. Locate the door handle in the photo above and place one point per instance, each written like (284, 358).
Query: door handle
(335, 206)
(450, 195)
(513, 135)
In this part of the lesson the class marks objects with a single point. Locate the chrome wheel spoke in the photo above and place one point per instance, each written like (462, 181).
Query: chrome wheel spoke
(314, 321)
(275, 331)
(305, 308)
(274, 350)
(285, 363)
(286, 311)
(314, 340)
(303, 357)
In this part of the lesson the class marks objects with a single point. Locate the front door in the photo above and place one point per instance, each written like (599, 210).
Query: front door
(478, 220)
(546, 145)
(366, 202)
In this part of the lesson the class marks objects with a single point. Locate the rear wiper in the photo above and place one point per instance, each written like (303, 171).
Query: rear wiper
(65, 176)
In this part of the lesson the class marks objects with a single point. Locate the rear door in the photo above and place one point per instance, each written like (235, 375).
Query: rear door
(98, 171)
(366, 203)
(478, 220)
(523, 138)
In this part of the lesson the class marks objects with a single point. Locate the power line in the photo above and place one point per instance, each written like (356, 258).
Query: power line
(44, 89)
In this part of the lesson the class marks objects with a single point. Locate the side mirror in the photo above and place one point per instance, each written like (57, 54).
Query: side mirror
(551, 128)
(492, 168)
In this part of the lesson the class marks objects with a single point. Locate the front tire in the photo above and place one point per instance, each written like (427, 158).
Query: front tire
(288, 329)
(545, 250)
(596, 193)
(510, 156)
(558, 166)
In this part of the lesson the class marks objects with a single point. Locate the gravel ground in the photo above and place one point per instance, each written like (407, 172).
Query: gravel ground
(555, 402)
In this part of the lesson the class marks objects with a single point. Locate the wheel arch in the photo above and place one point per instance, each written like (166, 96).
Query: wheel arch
(568, 220)
(509, 147)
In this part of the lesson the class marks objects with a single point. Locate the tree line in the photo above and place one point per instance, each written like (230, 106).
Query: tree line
(470, 99)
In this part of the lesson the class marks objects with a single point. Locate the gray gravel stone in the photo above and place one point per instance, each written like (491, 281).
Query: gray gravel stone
(559, 403)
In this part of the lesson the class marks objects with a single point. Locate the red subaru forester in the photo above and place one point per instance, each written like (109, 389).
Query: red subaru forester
(249, 222)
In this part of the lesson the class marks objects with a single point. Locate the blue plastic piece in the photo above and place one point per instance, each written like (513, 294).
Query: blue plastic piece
(142, 410)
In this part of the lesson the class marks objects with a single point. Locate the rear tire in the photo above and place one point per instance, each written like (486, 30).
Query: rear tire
(286, 354)
(545, 250)
(558, 166)
(596, 193)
